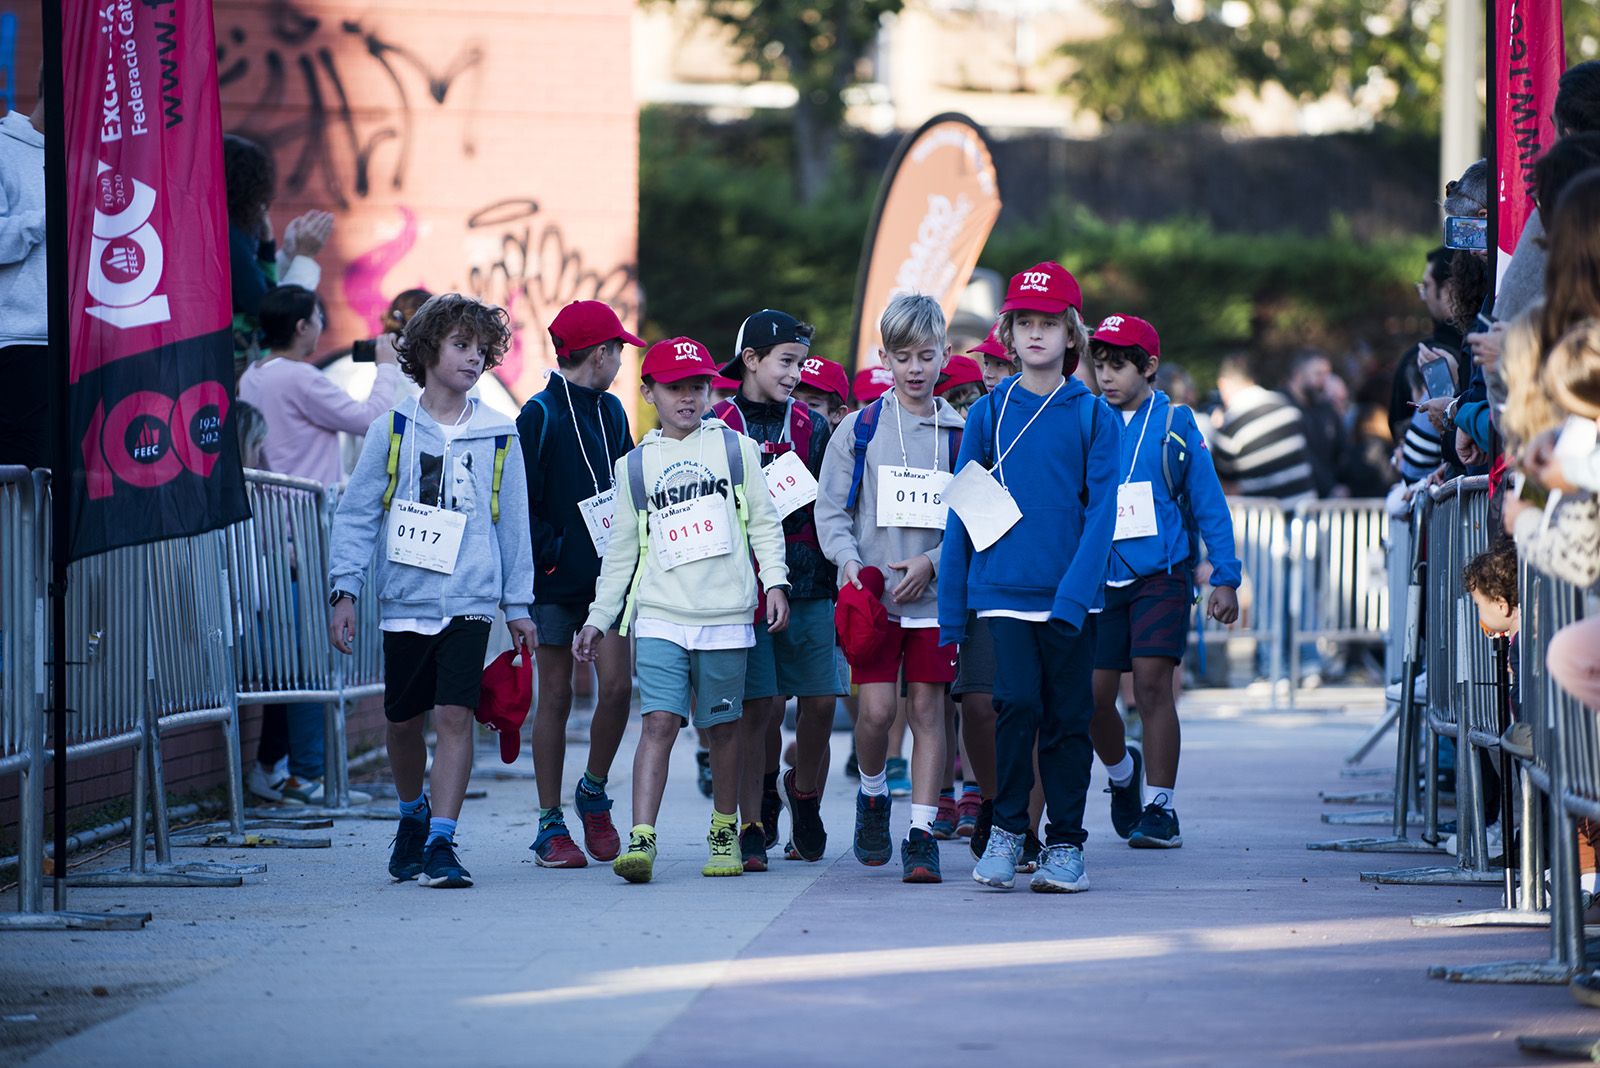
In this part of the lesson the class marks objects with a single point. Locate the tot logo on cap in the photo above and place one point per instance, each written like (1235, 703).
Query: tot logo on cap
(825, 375)
(1125, 331)
(677, 358)
(1045, 287)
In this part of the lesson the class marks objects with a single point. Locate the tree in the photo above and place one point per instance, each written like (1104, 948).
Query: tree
(816, 47)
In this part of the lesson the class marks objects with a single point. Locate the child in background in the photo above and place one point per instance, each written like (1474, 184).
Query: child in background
(1052, 449)
(799, 662)
(961, 384)
(456, 549)
(692, 507)
(880, 506)
(1167, 491)
(870, 384)
(998, 362)
(824, 388)
(572, 433)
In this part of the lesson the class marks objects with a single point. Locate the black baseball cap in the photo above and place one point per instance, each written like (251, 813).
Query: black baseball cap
(765, 328)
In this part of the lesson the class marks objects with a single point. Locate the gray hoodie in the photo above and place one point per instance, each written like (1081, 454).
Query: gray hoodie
(23, 318)
(856, 535)
(495, 567)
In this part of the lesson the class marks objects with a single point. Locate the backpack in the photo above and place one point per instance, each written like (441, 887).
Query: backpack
(866, 427)
(1178, 483)
(641, 506)
(800, 427)
(397, 430)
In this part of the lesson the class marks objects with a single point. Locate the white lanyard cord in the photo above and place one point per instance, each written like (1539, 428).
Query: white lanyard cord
(411, 462)
(600, 414)
(1140, 444)
(899, 427)
(1000, 457)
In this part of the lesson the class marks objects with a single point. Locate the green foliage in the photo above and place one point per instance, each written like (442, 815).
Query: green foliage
(719, 241)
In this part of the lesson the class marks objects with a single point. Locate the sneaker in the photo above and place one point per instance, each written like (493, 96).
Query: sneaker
(267, 783)
(967, 814)
(1031, 848)
(979, 842)
(309, 792)
(790, 852)
(554, 848)
(725, 852)
(944, 821)
(808, 837)
(440, 868)
(1127, 802)
(638, 862)
(1060, 871)
(899, 773)
(1158, 829)
(752, 848)
(771, 810)
(852, 770)
(919, 853)
(599, 833)
(406, 856)
(998, 865)
(873, 846)
(703, 758)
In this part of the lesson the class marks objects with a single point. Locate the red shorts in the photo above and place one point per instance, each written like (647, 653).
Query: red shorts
(919, 650)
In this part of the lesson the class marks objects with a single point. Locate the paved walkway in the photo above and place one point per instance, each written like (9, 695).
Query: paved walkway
(1242, 947)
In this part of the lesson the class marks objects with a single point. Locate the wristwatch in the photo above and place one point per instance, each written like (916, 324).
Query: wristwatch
(337, 595)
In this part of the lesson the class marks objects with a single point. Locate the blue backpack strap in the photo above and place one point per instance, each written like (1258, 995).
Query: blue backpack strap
(397, 430)
(866, 427)
(1089, 411)
(544, 421)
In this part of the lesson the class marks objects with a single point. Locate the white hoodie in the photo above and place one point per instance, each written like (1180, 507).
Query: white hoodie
(23, 317)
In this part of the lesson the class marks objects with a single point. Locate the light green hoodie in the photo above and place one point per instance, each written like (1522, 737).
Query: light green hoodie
(715, 591)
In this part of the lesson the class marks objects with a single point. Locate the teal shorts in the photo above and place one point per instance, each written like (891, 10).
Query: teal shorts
(705, 686)
(798, 661)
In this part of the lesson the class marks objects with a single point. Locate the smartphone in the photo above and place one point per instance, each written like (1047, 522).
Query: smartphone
(1468, 232)
(1484, 324)
(1436, 377)
(1531, 491)
(365, 351)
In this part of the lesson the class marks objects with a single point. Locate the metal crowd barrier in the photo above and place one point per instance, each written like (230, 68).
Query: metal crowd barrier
(1338, 587)
(22, 679)
(1260, 539)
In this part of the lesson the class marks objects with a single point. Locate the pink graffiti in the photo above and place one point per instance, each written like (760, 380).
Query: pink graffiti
(364, 289)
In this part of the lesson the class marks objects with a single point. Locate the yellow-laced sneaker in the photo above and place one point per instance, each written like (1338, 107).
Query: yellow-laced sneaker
(637, 863)
(725, 857)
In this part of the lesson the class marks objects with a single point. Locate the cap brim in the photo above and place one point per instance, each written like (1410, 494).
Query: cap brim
(1038, 304)
(733, 369)
(678, 374)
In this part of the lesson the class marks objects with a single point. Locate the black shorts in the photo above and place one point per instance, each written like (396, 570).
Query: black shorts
(423, 671)
(1148, 618)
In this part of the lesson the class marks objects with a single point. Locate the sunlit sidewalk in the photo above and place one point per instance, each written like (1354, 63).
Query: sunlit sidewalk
(1242, 947)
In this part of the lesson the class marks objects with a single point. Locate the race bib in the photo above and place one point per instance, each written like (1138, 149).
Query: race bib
(912, 497)
(985, 508)
(1136, 511)
(424, 536)
(790, 484)
(694, 530)
(597, 512)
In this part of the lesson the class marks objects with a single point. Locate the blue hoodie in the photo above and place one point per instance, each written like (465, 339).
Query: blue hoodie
(1054, 559)
(1168, 549)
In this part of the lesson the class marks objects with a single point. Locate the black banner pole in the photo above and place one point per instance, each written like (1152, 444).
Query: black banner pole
(55, 214)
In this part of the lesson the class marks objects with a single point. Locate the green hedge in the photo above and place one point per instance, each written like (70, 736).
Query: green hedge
(721, 236)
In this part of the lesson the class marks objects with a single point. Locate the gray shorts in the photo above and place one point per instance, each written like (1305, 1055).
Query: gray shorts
(798, 661)
(975, 674)
(558, 624)
(702, 686)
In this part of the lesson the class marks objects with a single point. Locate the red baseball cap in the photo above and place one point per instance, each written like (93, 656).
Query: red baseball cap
(990, 346)
(960, 371)
(725, 384)
(826, 375)
(677, 358)
(872, 383)
(504, 700)
(587, 322)
(861, 620)
(1045, 287)
(1124, 331)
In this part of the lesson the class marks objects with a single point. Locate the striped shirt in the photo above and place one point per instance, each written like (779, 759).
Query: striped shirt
(1421, 450)
(1262, 450)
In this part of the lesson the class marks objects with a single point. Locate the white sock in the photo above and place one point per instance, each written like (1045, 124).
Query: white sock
(922, 817)
(1122, 771)
(875, 785)
(1165, 796)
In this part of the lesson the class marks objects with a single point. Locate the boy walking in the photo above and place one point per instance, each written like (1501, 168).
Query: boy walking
(1040, 456)
(1167, 492)
(434, 492)
(881, 506)
(572, 434)
(677, 568)
(771, 349)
